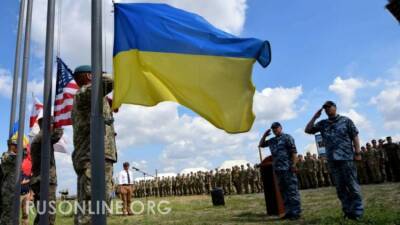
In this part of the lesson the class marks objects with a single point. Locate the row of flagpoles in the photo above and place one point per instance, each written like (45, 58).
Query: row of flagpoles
(97, 130)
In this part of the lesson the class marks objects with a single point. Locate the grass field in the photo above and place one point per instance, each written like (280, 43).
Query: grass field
(320, 206)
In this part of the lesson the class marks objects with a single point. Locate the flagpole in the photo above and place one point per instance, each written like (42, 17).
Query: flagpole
(17, 65)
(97, 120)
(47, 102)
(22, 108)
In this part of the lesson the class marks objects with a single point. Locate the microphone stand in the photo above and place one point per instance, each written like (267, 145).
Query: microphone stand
(144, 179)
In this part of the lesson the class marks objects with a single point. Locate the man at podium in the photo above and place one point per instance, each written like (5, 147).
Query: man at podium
(284, 158)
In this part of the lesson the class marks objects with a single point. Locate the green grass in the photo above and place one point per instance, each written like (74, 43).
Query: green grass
(320, 206)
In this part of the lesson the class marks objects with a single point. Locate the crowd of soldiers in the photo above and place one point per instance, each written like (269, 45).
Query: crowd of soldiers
(235, 180)
(380, 163)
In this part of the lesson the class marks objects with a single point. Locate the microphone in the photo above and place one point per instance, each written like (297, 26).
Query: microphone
(135, 168)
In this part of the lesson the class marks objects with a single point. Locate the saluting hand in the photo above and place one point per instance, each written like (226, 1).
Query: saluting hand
(318, 113)
(266, 134)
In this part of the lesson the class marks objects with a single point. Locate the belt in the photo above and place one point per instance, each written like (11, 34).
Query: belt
(126, 184)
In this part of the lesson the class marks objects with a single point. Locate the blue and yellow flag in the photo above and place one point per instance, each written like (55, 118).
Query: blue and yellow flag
(163, 53)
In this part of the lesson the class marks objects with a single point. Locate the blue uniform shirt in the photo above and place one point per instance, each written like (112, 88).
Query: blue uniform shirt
(338, 134)
(282, 147)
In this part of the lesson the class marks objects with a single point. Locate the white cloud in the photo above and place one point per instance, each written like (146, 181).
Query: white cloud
(5, 83)
(228, 15)
(388, 104)
(275, 104)
(359, 120)
(346, 89)
(312, 148)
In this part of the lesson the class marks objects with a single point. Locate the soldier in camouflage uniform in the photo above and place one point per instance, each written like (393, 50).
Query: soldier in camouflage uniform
(36, 150)
(81, 128)
(342, 144)
(157, 187)
(320, 176)
(244, 180)
(185, 184)
(310, 168)
(362, 167)
(208, 181)
(371, 156)
(381, 160)
(284, 156)
(236, 179)
(178, 185)
(388, 170)
(8, 162)
(228, 181)
(392, 151)
(217, 180)
(302, 173)
(325, 171)
(258, 180)
(222, 180)
(250, 178)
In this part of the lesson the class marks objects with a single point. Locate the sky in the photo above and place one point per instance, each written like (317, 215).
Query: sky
(345, 51)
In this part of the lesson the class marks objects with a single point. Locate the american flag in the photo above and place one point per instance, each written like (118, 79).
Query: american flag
(65, 91)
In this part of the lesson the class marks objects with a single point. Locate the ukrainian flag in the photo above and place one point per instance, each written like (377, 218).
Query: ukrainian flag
(162, 53)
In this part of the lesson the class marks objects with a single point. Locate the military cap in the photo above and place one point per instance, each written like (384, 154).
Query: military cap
(328, 104)
(83, 69)
(275, 125)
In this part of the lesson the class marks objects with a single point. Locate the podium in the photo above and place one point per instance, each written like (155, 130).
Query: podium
(272, 194)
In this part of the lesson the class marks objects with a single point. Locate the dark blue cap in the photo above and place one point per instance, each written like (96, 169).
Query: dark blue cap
(275, 125)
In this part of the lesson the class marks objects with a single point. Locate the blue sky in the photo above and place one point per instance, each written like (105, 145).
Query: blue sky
(347, 51)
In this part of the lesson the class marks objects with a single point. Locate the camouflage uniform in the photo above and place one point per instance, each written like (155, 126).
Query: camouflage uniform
(243, 180)
(36, 150)
(371, 156)
(325, 171)
(361, 168)
(304, 184)
(236, 180)
(208, 181)
(228, 181)
(320, 176)
(81, 155)
(338, 134)
(258, 180)
(8, 161)
(310, 171)
(382, 158)
(217, 180)
(393, 152)
(282, 147)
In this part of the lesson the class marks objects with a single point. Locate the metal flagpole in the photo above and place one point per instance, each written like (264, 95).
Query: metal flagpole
(17, 65)
(47, 102)
(22, 108)
(97, 121)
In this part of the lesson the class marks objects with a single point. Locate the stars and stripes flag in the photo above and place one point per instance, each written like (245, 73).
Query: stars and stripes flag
(65, 90)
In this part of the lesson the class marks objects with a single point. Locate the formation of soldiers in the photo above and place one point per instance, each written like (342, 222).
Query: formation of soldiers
(235, 180)
(313, 171)
(380, 163)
